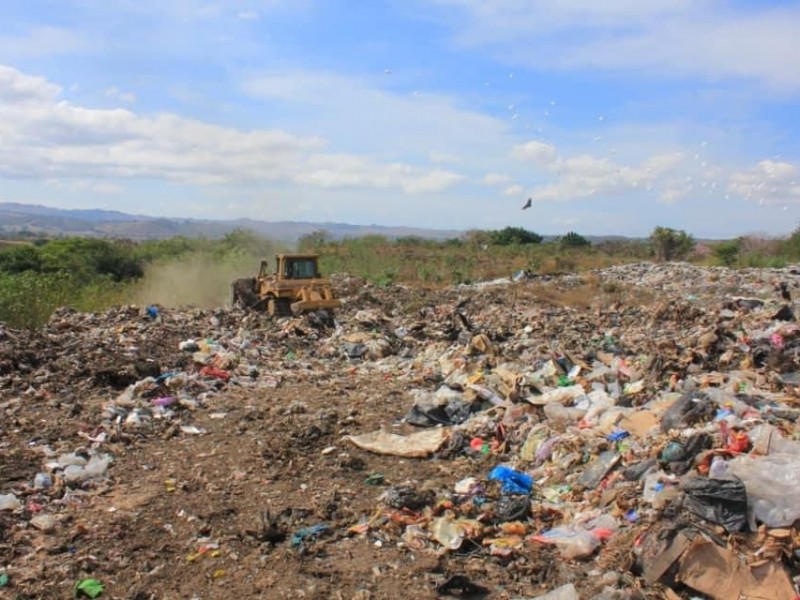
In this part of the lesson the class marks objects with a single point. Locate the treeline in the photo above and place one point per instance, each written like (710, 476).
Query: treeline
(92, 274)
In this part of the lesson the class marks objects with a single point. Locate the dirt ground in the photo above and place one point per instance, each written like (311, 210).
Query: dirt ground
(213, 515)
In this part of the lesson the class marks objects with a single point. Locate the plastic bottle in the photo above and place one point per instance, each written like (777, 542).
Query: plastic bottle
(653, 485)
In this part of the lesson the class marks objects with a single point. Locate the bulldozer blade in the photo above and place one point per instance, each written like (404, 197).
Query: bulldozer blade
(310, 305)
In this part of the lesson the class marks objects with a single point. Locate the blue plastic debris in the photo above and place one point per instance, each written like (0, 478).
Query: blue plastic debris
(723, 413)
(309, 533)
(514, 482)
(618, 435)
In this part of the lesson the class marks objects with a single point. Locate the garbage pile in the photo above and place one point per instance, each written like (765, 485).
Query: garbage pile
(626, 433)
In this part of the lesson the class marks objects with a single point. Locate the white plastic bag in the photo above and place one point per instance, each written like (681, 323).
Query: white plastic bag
(773, 486)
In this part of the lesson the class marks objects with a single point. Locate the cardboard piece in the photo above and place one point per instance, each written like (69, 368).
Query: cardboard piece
(718, 573)
(416, 445)
(655, 569)
(639, 423)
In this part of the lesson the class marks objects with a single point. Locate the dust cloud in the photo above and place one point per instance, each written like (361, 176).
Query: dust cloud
(192, 281)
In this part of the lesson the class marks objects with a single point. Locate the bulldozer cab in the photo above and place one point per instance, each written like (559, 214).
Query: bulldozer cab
(287, 266)
(297, 267)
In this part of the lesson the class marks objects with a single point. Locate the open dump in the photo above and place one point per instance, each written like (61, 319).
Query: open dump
(629, 433)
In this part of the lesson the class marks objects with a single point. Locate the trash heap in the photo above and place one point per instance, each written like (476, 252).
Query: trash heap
(635, 428)
(675, 444)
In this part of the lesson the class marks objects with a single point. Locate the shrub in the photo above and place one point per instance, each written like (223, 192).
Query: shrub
(574, 240)
(671, 244)
(16, 259)
(727, 253)
(514, 235)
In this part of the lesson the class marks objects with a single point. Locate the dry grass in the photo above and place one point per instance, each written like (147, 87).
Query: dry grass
(591, 292)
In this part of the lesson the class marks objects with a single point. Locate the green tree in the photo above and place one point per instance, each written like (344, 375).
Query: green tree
(671, 244)
(314, 241)
(86, 258)
(515, 235)
(791, 246)
(727, 252)
(574, 240)
(19, 258)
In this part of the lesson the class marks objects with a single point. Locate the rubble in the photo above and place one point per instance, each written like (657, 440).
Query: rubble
(627, 433)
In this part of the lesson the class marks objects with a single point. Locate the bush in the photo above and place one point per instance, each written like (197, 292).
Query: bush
(727, 253)
(16, 259)
(514, 235)
(671, 244)
(27, 299)
(85, 258)
(574, 240)
(312, 242)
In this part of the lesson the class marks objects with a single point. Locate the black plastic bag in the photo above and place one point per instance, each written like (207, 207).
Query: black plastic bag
(721, 501)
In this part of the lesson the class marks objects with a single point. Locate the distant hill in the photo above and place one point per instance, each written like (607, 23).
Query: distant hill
(35, 220)
(32, 219)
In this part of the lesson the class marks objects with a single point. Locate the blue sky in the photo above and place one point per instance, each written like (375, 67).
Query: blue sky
(612, 116)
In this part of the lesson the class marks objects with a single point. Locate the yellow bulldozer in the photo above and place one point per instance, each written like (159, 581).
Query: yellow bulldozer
(295, 287)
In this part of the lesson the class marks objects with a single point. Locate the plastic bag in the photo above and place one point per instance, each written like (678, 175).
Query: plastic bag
(9, 502)
(721, 501)
(773, 486)
(95, 469)
(561, 415)
(565, 592)
(570, 541)
(687, 411)
(514, 482)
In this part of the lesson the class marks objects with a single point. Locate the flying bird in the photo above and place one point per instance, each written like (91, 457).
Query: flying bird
(527, 204)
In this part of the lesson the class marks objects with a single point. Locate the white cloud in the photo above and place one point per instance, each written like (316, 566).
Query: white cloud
(699, 38)
(428, 127)
(492, 179)
(85, 185)
(18, 87)
(43, 137)
(540, 153)
(668, 177)
(672, 195)
(444, 158)
(332, 171)
(124, 97)
(514, 190)
(585, 175)
(768, 182)
(42, 41)
(200, 9)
